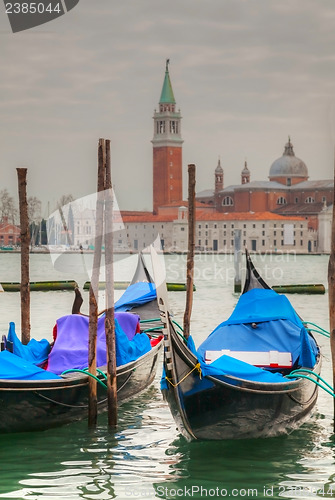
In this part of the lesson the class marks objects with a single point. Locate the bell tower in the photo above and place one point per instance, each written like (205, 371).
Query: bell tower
(245, 174)
(167, 148)
(218, 177)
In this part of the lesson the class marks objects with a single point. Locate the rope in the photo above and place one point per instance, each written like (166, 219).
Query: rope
(180, 333)
(177, 324)
(59, 403)
(196, 367)
(142, 321)
(89, 374)
(101, 372)
(153, 329)
(306, 370)
(320, 330)
(298, 374)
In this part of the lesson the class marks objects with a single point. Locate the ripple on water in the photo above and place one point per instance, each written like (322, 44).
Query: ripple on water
(146, 457)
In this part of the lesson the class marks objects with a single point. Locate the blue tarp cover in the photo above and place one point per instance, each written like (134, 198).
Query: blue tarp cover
(13, 367)
(262, 305)
(136, 295)
(278, 328)
(36, 351)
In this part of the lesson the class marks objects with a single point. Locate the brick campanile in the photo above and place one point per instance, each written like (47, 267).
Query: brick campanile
(167, 148)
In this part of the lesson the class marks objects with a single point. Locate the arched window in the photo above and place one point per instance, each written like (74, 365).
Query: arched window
(309, 200)
(281, 200)
(227, 201)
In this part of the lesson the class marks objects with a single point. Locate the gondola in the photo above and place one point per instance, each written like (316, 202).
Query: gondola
(35, 399)
(140, 297)
(244, 380)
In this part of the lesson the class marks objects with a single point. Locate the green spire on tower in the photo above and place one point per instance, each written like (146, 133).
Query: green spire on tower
(167, 92)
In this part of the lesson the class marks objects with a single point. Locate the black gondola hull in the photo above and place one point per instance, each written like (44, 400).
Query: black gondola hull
(223, 406)
(42, 404)
(213, 408)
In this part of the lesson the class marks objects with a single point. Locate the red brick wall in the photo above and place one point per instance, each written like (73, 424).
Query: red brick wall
(167, 175)
(258, 201)
(242, 201)
(283, 180)
(9, 234)
(313, 222)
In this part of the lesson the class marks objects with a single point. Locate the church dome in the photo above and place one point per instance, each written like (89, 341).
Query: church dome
(288, 165)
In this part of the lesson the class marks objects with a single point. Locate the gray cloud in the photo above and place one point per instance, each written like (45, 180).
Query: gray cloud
(246, 74)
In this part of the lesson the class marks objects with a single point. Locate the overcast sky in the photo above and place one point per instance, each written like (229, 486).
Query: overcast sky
(246, 74)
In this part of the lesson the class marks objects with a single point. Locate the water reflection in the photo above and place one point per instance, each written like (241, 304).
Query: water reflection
(284, 466)
(146, 452)
(73, 462)
(147, 458)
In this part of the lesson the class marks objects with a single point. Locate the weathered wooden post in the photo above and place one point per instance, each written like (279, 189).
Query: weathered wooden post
(109, 276)
(25, 285)
(191, 246)
(331, 292)
(237, 260)
(94, 289)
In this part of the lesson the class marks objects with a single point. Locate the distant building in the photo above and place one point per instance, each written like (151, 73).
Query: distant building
(9, 233)
(135, 231)
(287, 192)
(260, 232)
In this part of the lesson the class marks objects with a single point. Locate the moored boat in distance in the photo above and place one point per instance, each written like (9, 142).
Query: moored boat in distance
(123, 285)
(41, 286)
(243, 381)
(307, 288)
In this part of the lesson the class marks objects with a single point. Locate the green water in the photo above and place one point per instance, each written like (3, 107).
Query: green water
(146, 457)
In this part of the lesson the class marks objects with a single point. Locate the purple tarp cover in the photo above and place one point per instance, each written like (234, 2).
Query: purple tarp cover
(70, 349)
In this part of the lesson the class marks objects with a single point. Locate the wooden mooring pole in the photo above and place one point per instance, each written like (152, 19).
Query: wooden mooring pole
(25, 240)
(109, 274)
(94, 289)
(237, 261)
(191, 246)
(331, 292)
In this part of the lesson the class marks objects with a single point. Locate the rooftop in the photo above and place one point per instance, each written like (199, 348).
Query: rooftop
(277, 186)
(206, 193)
(262, 185)
(303, 209)
(245, 216)
(214, 216)
(322, 184)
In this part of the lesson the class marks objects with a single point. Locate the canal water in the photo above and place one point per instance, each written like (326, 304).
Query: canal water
(146, 457)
